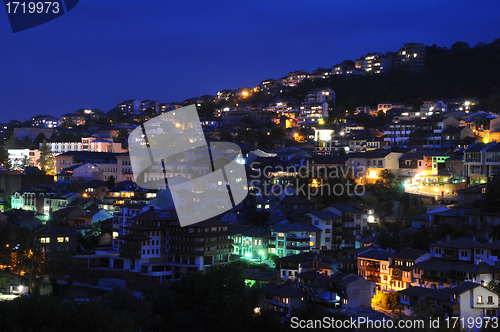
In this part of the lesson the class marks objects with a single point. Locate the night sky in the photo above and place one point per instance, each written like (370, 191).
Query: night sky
(104, 51)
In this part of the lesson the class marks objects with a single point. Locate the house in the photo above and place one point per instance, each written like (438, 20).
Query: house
(401, 267)
(23, 218)
(37, 198)
(283, 299)
(423, 132)
(467, 301)
(453, 263)
(373, 264)
(331, 228)
(481, 162)
(291, 266)
(354, 292)
(252, 242)
(123, 218)
(473, 300)
(320, 95)
(316, 287)
(44, 121)
(292, 238)
(411, 56)
(116, 165)
(354, 222)
(57, 242)
(293, 205)
(259, 278)
(127, 192)
(349, 260)
(411, 296)
(90, 144)
(311, 114)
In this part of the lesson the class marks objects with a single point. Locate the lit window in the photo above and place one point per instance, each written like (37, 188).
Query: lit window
(66, 239)
(60, 239)
(311, 244)
(479, 299)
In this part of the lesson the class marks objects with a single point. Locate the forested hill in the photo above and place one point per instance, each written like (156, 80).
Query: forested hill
(460, 71)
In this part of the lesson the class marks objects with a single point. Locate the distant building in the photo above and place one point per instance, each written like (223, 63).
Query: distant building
(44, 121)
(32, 132)
(320, 95)
(311, 114)
(411, 56)
(91, 144)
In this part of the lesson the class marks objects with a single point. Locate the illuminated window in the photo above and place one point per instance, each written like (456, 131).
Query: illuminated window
(66, 239)
(45, 240)
(311, 244)
(60, 239)
(480, 299)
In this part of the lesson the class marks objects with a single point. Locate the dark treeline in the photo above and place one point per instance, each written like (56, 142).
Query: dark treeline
(215, 301)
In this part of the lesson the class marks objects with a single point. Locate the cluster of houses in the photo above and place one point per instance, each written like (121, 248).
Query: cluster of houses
(442, 152)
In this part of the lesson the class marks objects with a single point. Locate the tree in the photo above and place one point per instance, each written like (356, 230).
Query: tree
(12, 142)
(47, 161)
(24, 164)
(122, 136)
(91, 236)
(111, 182)
(491, 202)
(4, 158)
(385, 300)
(26, 142)
(494, 285)
(38, 140)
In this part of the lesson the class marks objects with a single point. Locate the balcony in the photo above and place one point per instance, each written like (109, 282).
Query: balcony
(373, 278)
(372, 268)
(352, 228)
(297, 246)
(301, 238)
(435, 279)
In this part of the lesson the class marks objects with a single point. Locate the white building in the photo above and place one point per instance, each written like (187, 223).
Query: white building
(311, 114)
(17, 156)
(91, 144)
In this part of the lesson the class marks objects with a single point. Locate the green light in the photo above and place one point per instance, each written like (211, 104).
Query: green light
(248, 255)
(261, 253)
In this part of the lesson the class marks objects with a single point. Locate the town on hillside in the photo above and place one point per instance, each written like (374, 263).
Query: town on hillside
(361, 202)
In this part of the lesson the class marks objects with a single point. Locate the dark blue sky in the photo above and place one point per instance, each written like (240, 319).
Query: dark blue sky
(102, 51)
